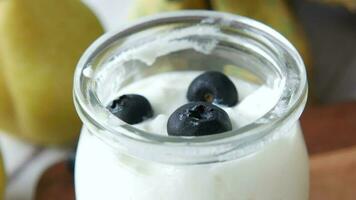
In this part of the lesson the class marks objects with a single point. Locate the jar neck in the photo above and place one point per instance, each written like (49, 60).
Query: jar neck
(284, 63)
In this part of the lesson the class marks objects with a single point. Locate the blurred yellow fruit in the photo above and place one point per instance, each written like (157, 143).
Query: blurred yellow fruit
(40, 44)
(7, 120)
(149, 7)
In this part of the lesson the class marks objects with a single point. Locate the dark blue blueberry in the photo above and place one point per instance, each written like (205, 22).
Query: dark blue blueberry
(131, 108)
(213, 87)
(197, 119)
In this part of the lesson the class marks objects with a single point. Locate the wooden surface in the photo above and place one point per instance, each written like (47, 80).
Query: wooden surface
(330, 134)
(56, 183)
(329, 127)
(333, 175)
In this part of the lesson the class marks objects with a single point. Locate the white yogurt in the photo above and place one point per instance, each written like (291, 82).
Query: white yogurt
(276, 171)
(167, 91)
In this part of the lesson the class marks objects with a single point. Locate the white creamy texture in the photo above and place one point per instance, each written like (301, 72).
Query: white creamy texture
(167, 91)
(277, 171)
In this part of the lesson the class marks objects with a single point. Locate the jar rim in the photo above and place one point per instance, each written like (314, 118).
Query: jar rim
(249, 133)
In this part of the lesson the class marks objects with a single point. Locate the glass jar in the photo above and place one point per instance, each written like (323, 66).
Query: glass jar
(264, 159)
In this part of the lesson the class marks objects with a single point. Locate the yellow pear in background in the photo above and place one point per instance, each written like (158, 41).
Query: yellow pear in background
(40, 44)
(7, 120)
(143, 8)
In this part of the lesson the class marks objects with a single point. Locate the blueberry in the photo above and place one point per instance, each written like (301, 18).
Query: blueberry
(131, 108)
(213, 87)
(197, 119)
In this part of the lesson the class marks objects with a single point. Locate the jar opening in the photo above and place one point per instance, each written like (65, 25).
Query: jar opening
(212, 30)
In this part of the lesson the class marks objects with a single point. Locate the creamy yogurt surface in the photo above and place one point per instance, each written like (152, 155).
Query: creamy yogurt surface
(277, 171)
(167, 91)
